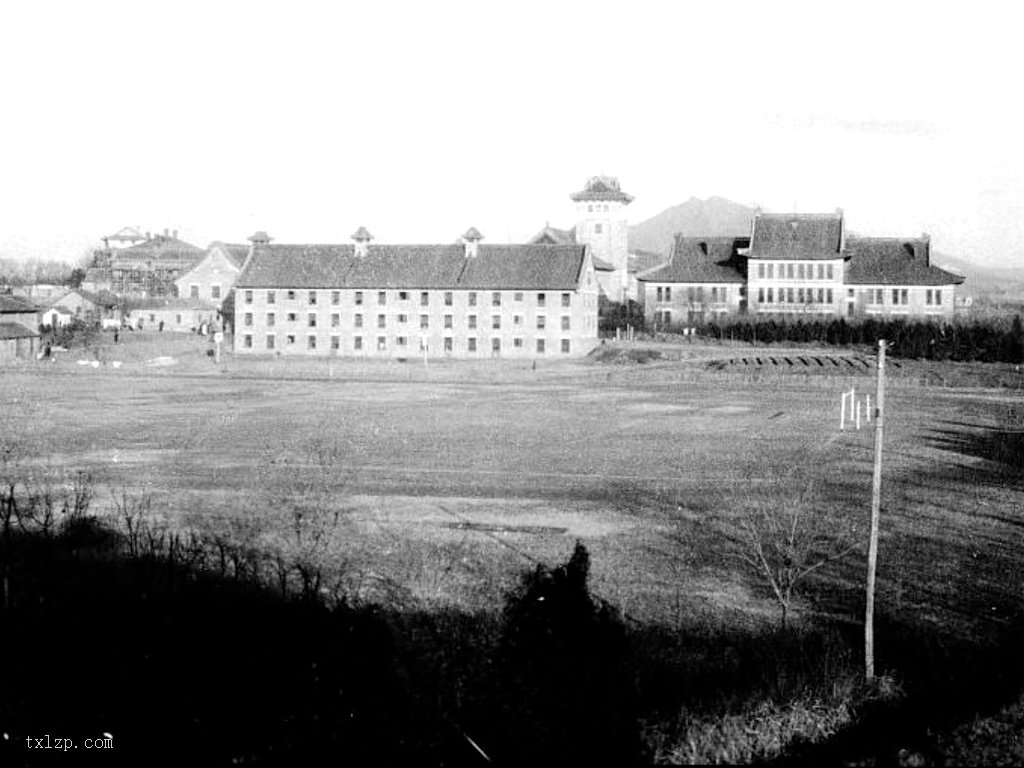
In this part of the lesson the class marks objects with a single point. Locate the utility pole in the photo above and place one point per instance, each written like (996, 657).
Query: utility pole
(876, 497)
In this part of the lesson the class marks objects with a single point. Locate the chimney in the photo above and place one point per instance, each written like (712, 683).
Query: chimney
(165, 232)
(362, 238)
(926, 248)
(258, 238)
(472, 240)
(842, 230)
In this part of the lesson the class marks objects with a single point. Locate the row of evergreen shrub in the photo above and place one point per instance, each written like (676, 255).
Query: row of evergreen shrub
(988, 341)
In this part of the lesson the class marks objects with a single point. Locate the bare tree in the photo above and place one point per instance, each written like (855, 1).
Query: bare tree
(782, 542)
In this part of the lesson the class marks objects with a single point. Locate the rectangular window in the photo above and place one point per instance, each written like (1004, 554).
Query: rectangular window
(447, 321)
(895, 295)
(335, 320)
(248, 319)
(660, 294)
(567, 299)
(517, 320)
(771, 299)
(904, 298)
(800, 295)
(789, 271)
(247, 340)
(177, 319)
(821, 295)
(382, 343)
(830, 272)
(382, 298)
(359, 321)
(517, 342)
(829, 294)
(447, 298)
(290, 338)
(335, 342)
(928, 296)
(771, 271)
(424, 322)
(357, 343)
(471, 343)
(271, 319)
(541, 298)
(472, 298)
(471, 319)
(312, 297)
(403, 319)
(311, 320)
(495, 346)
(292, 317)
(668, 295)
(382, 321)
(821, 271)
(541, 322)
(518, 296)
(271, 297)
(938, 297)
(291, 295)
(714, 294)
(496, 299)
(271, 341)
(311, 342)
(403, 295)
(565, 346)
(760, 271)
(789, 295)
(565, 322)
(760, 295)
(335, 298)
(359, 298)
(540, 346)
(248, 297)
(194, 291)
(447, 343)
(401, 341)
(424, 298)
(496, 322)
(800, 272)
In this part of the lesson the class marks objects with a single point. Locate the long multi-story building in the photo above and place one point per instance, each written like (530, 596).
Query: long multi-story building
(462, 300)
(797, 266)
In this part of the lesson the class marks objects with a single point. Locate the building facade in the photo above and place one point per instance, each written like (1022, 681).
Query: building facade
(213, 278)
(147, 268)
(797, 266)
(467, 300)
(19, 328)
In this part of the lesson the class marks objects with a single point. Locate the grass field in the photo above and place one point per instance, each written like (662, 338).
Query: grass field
(445, 470)
(454, 477)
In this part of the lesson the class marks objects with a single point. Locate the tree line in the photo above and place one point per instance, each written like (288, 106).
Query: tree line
(988, 340)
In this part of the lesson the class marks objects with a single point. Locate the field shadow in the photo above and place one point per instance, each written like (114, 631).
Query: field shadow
(1002, 447)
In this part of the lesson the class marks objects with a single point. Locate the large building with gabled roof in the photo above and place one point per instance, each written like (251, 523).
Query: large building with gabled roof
(797, 266)
(146, 268)
(467, 299)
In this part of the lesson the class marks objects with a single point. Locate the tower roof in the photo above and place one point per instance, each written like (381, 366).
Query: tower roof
(472, 234)
(362, 234)
(602, 188)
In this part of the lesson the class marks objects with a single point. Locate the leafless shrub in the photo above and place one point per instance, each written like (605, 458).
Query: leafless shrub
(132, 512)
(783, 541)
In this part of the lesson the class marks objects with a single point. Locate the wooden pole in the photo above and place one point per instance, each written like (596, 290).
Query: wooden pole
(876, 498)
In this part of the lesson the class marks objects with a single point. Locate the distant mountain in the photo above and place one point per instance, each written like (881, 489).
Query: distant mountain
(714, 216)
(994, 284)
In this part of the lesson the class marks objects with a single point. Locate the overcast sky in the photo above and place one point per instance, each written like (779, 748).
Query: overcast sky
(418, 120)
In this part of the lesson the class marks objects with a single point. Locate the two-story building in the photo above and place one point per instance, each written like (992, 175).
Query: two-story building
(463, 300)
(213, 278)
(797, 266)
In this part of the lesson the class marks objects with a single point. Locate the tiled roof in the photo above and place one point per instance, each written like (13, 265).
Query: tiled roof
(495, 267)
(362, 234)
(893, 261)
(640, 260)
(16, 331)
(127, 233)
(700, 260)
(102, 298)
(796, 236)
(9, 303)
(553, 236)
(472, 234)
(169, 302)
(159, 246)
(603, 266)
(602, 188)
